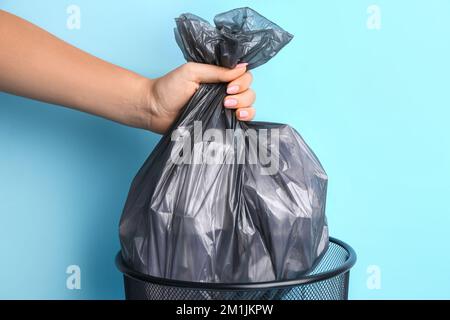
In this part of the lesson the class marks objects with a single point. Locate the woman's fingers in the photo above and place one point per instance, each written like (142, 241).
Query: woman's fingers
(206, 73)
(241, 100)
(241, 84)
(241, 97)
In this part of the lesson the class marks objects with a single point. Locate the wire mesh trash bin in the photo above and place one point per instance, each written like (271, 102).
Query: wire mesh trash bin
(328, 280)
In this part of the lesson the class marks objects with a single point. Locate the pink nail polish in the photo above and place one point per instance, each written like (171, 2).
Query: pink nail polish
(230, 102)
(243, 114)
(233, 89)
(242, 65)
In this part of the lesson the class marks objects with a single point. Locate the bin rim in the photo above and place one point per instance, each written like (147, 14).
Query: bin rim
(302, 280)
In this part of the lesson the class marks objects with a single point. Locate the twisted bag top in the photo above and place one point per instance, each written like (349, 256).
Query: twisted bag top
(240, 219)
(240, 35)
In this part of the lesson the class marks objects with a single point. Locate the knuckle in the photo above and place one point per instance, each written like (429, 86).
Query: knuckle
(252, 94)
(188, 66)
(247, 98)
(246, 80)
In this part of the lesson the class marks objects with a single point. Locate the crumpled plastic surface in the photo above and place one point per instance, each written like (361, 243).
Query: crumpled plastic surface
(226, 221)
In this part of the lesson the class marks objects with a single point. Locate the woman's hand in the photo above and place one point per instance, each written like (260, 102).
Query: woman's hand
(37, 65)
(168, 94)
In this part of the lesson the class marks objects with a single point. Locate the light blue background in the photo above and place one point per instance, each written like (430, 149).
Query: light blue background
(374, 106)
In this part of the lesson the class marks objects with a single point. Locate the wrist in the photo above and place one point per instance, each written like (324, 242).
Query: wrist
(153, 115)
(145, 103)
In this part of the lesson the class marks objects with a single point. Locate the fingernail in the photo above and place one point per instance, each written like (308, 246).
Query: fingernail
(230, 102)
(243, 114)
(241, 65)
(233, 89)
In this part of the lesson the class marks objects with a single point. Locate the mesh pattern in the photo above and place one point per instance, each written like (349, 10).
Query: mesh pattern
(333, 288)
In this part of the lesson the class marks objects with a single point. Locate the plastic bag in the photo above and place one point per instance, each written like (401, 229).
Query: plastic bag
(219, 200)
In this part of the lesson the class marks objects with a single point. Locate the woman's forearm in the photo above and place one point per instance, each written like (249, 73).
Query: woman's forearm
(35, 64)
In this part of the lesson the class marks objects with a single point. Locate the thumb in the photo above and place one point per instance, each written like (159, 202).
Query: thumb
(207, 73)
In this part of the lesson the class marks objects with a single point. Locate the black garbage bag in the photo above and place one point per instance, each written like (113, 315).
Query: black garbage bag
(219, 200)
